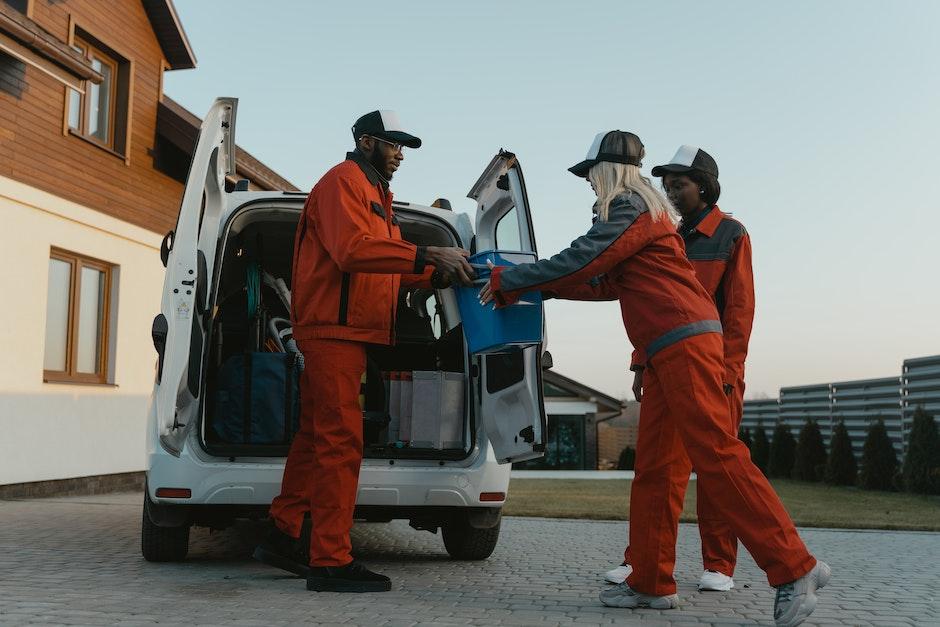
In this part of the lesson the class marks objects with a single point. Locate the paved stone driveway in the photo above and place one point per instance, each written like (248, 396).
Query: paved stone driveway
(77, 561)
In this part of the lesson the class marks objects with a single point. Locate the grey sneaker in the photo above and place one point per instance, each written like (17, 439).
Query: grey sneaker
(623, 595)
(796, 600)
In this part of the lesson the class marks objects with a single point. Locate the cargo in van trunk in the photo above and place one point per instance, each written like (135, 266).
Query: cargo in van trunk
(414, 393)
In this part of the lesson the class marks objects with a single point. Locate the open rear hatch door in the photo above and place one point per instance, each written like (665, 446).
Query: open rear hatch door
(511, 396)
(179, 331)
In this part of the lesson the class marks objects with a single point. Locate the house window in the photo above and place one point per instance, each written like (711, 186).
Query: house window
(20, 5)
(100, 114)
(77, 319)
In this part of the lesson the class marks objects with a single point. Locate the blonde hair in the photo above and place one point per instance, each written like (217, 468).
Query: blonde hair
(612, 179)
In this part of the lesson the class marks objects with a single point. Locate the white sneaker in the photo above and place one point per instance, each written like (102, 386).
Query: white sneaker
(623, 595)
(796, 600)
(714, 581)
(619, 574)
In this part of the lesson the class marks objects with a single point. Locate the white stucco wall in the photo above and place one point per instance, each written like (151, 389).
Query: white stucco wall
(57, 430)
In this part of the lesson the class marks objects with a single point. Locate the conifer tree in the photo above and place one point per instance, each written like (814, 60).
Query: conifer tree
(760, 451)
(810, 461)
(841, 468)
(921, 471)
(782, 451)
(879, 461)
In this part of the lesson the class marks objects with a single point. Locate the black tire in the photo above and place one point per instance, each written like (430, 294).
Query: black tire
(464, 542)
(162, 544)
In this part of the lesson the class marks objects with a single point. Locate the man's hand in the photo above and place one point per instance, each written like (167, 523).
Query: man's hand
(451, 262)
(638, 383)
(486, 292)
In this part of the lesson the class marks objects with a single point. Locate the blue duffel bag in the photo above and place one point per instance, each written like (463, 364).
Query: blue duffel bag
(257, 399)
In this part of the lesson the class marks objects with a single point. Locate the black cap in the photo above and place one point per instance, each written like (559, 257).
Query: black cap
(384, 125)
(613, 146)
(689, 158)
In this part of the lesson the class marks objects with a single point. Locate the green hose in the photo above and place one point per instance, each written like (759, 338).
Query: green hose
(253, 287)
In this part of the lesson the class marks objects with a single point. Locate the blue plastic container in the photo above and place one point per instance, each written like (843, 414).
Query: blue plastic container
(490, 330)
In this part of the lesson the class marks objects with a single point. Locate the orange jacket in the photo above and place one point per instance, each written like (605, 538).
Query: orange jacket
(720, 251)
(350, 259)
(631, 258)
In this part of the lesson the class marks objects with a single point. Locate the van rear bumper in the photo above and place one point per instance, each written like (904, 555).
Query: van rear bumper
(249, 487)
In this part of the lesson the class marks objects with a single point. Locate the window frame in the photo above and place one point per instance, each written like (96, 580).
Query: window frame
(121, 103)
(92, 52)
(70, 374)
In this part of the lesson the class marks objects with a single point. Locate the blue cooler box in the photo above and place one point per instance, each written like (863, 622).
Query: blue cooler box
(490, 330)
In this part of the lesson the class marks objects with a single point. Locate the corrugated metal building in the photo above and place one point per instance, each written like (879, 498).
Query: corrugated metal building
(920, 385)
(859, 403)
(806, 401)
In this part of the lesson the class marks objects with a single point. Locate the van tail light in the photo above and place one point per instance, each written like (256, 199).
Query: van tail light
(492, 496)
(174, 493)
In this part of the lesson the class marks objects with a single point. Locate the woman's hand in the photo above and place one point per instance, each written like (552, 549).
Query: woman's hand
(486, 293)
(638, 383)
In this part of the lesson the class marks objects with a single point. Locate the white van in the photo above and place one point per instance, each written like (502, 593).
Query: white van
(195, 476)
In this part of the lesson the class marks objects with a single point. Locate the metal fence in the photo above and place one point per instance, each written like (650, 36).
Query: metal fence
(762, 412)
(920, 386)
(858, 403)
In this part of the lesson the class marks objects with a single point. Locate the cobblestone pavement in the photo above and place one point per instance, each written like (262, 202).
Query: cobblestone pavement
(77, 561)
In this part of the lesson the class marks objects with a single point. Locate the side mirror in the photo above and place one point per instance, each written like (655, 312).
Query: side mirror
(166, 246)
(547, 361)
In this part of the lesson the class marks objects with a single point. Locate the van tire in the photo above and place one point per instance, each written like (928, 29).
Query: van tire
(465, 542)
(162, 544)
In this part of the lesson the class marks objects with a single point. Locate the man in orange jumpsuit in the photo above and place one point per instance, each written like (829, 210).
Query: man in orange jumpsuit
(349, 262)
(720, 251)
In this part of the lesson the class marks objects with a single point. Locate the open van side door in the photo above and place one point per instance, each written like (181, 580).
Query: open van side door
(180, 328)
(510, 385)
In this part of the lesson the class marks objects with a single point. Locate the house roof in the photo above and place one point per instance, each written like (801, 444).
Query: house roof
(610, 405)
(170, 34)
(181, 127)
(37, 40)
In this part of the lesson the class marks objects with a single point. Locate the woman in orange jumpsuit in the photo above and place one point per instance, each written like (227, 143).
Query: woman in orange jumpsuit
(720, 251)
(633, 254)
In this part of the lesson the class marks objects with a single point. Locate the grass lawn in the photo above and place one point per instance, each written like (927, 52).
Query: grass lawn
(810, 504)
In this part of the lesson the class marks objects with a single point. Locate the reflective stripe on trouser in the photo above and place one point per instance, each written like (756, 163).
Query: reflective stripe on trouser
(684, 416)
(322, 471)
(719, 544)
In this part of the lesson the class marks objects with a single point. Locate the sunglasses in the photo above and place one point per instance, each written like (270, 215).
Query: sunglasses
(395, 147)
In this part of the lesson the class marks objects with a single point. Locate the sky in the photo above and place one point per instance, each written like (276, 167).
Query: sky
(822, 117)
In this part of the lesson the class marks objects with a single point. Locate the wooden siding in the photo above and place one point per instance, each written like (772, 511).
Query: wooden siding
(36, 150)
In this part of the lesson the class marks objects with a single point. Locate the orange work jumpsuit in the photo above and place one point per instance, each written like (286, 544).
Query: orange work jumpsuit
(349, 262)
(684, 416)
(720, 251)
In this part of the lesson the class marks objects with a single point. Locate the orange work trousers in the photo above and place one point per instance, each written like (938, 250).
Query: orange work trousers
(685, 422)
(719, 544)
(322, 471)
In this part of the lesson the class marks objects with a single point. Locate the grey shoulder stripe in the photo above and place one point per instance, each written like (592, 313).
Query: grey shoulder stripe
(717, 247)
(623, 212)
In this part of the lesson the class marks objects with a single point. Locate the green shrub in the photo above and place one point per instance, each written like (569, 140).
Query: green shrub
(879, 461)
(921, 470)
(841, 468)
(744, 434)
(782, 452)
(760, 450)
(627, 459)
(810, 459)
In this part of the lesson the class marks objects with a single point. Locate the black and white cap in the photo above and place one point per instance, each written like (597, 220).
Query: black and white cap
(613, 146)
(384, 125)
(689, 158)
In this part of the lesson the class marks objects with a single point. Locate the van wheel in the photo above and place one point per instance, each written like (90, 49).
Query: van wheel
(162, 544)
(464, 542)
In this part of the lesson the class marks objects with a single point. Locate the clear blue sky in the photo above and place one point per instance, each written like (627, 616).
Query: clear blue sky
(822, 117)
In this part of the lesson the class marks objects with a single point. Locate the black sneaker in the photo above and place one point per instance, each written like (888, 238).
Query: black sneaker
(282, 551)
(353, 577)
